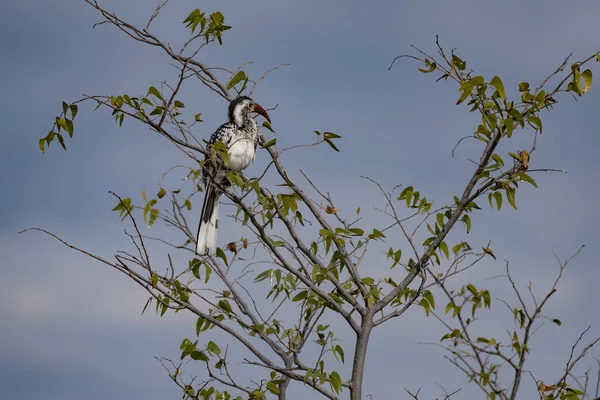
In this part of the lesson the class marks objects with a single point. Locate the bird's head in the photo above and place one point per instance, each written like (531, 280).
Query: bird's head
(240, 108)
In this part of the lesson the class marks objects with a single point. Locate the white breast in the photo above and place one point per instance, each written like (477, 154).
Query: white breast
(241, 154)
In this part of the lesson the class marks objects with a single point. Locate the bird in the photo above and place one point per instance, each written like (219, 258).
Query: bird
(240, 137)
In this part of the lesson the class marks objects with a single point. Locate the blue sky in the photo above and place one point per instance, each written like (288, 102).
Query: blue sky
(72, 328)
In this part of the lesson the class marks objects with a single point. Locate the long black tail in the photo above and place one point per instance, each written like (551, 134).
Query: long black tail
(209, 222)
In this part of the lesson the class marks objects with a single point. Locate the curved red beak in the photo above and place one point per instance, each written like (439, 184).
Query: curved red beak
(258, 109)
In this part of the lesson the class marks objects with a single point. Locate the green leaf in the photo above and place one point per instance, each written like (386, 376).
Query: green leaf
(335, 381)
(153, 91)
(179, 104)
(62, 123)
(498, 159)
(213, 348)
(429, 297)
(497, 83)
(465, 92)
(221, 255)
(147, 304)
(197, 118)
(376, 235)
(272, 387)
(524, 177)
(478, 80)
(300, 296)
(330, 143)
(587, 78)
(207, 271)
(467, 221)
(523, 86)
(444, 248)
(237, 78)
(269, 143)
(267, 125)
(510, 197)
(509, 123)
(557, 321)
(458, 63)
(440, 219)
(61, 140)
(456, 248)
(574, 88)
(430, 67)
(161, 193)
(194, 265)
(41, 143)
(225, 306)
(338, 349)
(536, 122)
(199, 356)
(262, 276)
(449, 307)
(154, 213)
(74, 109)
(425, 304)
(498, 197)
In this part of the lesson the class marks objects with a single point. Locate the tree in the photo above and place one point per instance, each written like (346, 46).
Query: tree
(314, 263)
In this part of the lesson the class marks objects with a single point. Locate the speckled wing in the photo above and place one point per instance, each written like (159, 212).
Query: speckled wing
(224, 133)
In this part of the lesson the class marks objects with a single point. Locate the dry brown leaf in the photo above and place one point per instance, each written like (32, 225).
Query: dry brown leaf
(331, 210)
(232, 247)
(489, 251)
(544, 388)
(524, 158)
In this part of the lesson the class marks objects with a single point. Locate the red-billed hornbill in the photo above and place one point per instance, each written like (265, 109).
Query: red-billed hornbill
(240, 137)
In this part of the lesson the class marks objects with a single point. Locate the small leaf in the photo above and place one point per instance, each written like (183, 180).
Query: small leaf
(269, 143)
(489, 251)
(221, 255)
(523, 86)
(444, 248)
(458, 63)
(498, 197)
(198, 118)
(335, 381)
(497, 83)
(231, 246)
(62, 123)
(557, 321)
(267, 125)
(466, 92)
(300, 296)
(524, 177)
(331, 210)
(338, 349)
(427, 295)
(431, 67)
(237, 78)
(199, 356)
(467, 221)
(161, 193)
(425, 304)
(74, 109)
(524, 154)
(153, 91)
(587, 78)
(213, 348)
(330, 143)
